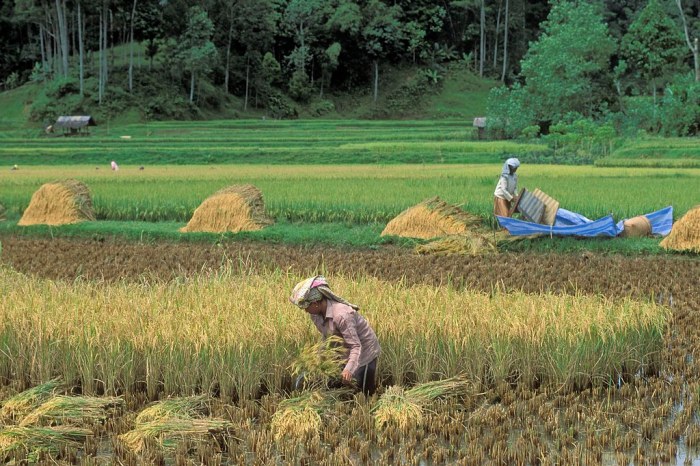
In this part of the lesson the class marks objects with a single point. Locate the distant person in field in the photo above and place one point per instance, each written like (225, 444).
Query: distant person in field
(506, 188)
(333, 315)
(114, 165)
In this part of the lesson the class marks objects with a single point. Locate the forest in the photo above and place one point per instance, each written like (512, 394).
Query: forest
(628, 64)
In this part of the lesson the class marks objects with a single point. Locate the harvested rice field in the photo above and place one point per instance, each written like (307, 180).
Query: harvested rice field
(145, 320)
(571, 358)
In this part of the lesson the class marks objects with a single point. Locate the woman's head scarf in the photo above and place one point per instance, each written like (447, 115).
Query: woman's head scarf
(512, 162)
(312, 290)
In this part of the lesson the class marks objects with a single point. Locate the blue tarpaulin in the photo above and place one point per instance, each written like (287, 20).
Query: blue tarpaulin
(569, 223)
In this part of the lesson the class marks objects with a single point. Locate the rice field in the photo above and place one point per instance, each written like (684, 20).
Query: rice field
(115, 352)
(358, 194)
(232, 338)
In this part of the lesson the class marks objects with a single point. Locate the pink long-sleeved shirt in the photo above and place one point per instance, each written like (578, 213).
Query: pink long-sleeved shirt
(358, 337)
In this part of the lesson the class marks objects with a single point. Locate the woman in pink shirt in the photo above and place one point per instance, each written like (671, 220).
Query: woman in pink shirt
(333, 315)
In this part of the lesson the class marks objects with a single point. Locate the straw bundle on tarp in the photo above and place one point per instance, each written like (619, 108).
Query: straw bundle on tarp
(470, 244)
(73, 410)
(430, 219)
(31, 442)
(59, 203)
(636, 227)
(232, 209)
(404, 407)
(685, 234)
(23, 403)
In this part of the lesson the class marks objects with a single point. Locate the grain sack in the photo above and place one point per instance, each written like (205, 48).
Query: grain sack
(430, 219)
(685, 234)
(636, 227)
(235, 208)
(59, 203)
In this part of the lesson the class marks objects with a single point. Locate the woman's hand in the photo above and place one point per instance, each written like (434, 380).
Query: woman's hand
(347, 376)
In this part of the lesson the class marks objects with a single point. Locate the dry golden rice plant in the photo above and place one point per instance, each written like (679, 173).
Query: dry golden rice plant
(21, 404)
(320, 362)
(168, 423)
(73, 410)
(236, 331)
(301, 417)
(404, 407)
(30, 442)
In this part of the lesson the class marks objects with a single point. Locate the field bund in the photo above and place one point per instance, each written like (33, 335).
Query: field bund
(236, 334)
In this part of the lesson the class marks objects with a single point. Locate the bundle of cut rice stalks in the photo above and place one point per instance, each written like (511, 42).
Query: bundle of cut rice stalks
(73, 410)
(685, 234)
(432, 218)
(404, 408)
(21, 404)
(59, 203)
(301, 417)
(169, 432)
(233, 209)
(186, 407)
(319, 363)
(470, 243)
(31, 442)
(2, 212)
(167, 423)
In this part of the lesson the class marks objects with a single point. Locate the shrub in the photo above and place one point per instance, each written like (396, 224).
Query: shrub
(299, 87)
(322, 107)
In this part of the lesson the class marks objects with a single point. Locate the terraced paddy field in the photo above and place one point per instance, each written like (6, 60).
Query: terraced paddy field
(140, 344)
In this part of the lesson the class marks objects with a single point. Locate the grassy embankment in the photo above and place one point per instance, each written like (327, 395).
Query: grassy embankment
(656, 153)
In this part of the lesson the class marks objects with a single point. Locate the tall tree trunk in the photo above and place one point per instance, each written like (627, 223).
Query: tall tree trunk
(228, 53)
(376, 79)
(131, 49)
(192, 87)
(693, 46)
(100, 78)
(62, 35)
(247, 81)
(505, 44)
(495, 36)
(44, 64)
(81, 53)
(482, 38)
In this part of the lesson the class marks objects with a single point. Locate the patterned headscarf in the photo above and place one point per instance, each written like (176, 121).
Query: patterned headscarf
(512, 162)
(312, 290)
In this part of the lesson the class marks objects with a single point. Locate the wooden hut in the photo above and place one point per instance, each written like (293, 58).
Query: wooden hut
(76, 125)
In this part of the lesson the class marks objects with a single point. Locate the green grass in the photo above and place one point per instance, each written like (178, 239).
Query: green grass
(656, 153)
(463, 95)
(354, 194)
(265, 142)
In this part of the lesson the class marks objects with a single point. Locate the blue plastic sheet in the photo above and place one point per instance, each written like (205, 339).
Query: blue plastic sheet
(569, 223)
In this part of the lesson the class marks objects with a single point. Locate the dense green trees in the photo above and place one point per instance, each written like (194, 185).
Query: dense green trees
(558, 59)
(576, 71)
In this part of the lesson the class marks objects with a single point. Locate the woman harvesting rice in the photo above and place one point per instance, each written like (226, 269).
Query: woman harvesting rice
(333, 315)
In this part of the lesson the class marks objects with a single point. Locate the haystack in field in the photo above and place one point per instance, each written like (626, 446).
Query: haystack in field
(235, 208)
(685, 234)
(431, 218)
(59, 203)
